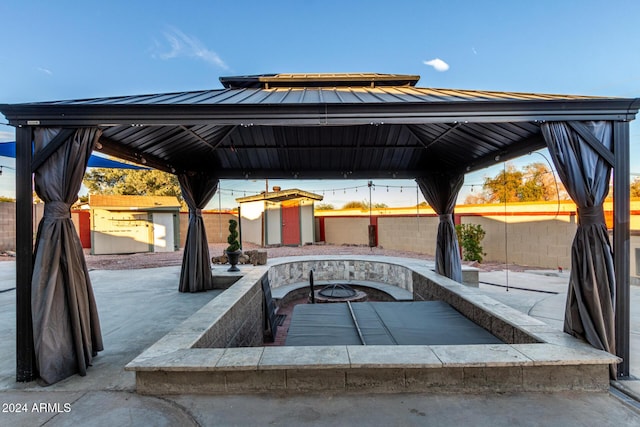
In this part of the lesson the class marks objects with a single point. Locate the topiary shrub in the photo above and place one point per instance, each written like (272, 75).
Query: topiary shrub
(234, 245)
(469, 237)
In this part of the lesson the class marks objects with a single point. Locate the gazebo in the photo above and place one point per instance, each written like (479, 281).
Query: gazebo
(311, 126)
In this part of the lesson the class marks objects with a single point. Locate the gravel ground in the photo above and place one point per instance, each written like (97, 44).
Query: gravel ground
(163, 259)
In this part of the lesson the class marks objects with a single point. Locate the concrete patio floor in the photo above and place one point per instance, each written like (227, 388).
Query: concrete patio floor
(137, 307)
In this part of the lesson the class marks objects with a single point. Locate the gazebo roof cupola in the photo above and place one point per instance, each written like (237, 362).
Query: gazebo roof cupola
(266, 81)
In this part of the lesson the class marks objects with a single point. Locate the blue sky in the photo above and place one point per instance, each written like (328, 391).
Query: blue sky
(82, 49)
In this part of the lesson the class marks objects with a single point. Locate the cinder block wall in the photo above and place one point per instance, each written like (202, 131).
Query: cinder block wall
(8, 224)
(346, 230)
(414, 234)
(537, 241)
(216, 225)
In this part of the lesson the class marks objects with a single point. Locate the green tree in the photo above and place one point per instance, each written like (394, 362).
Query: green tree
(535, 182)
(635, 187)
(364, 205)
(324, 207)
(505, 186)
(132, 182)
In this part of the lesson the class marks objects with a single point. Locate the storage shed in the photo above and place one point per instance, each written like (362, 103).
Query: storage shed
(129, 224)
(280, 217)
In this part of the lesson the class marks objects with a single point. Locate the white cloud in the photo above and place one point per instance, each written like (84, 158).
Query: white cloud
(182, 45)
(437, 64)
(45, 71)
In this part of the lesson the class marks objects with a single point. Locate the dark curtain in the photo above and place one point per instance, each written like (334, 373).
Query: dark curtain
(66, 328)
(197, 190)
(441, 191)
(590, 307)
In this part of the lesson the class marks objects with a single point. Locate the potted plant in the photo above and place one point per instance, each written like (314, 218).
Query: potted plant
(233, 250)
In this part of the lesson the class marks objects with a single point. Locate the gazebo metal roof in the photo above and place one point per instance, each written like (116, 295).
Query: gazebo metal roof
(363, 125)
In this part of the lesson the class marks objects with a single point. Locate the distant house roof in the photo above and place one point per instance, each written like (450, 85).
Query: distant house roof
(133, 202)
(280, 196)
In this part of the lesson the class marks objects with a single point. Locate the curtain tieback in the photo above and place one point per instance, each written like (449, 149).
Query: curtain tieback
(196, 212)
(57, 210)
(446, 217)
(591, 215)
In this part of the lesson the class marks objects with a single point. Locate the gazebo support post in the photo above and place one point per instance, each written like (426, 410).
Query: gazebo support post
(25, 356)
(621, 219)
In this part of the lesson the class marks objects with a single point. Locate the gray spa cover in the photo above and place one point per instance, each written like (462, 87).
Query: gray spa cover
(384, 323)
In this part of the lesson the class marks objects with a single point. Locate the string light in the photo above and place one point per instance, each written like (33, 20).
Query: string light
(325, 191)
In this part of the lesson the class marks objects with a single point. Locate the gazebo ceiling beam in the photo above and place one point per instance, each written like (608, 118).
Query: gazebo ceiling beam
(224, 137)
(329, 147)
(523, 147)
(317, 174)
(196, 135)
(113, 148)
(438, 138)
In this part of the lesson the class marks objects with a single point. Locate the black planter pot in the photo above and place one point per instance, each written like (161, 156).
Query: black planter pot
(233, 259)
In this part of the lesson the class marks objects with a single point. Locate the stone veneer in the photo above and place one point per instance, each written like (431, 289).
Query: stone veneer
(535, 358)
(341, 269)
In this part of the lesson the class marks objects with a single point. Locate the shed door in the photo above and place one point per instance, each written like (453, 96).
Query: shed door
(163, 232)
(290, 223)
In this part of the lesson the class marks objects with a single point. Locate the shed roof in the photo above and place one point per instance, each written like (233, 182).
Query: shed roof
(358, 125)
(126, 202)
(280, 196)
